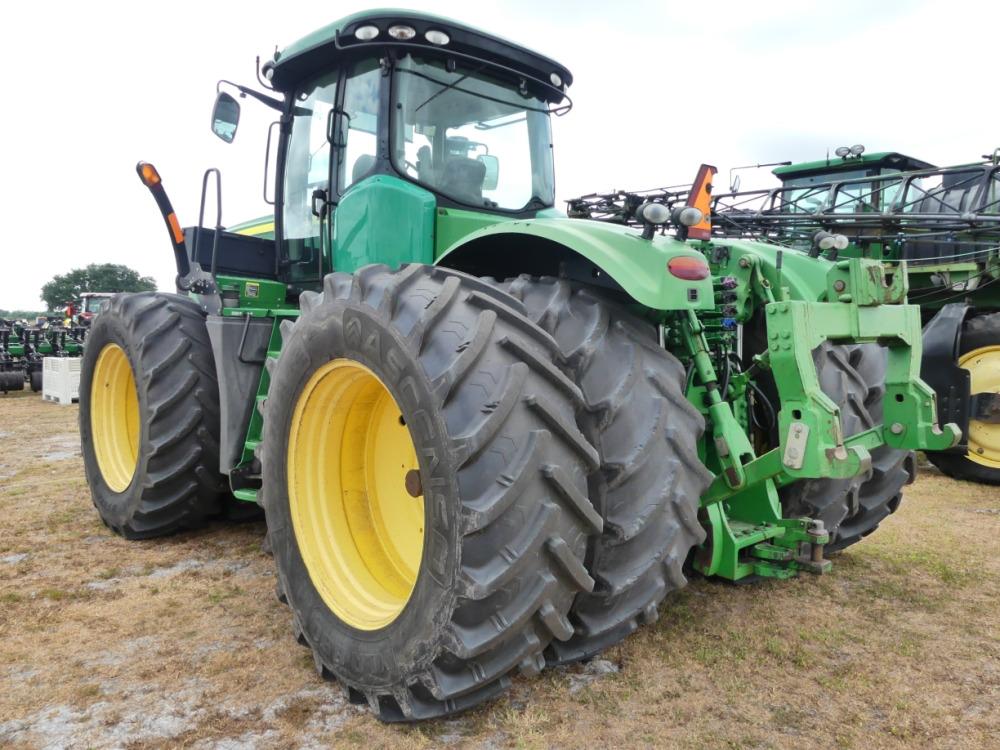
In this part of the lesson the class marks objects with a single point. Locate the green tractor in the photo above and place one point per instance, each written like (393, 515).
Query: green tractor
(487, 438)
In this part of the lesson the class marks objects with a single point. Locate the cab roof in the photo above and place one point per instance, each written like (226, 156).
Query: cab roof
(327, 46)
(836, 164)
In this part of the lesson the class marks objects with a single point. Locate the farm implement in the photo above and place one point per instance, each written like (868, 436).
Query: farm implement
(24, 345)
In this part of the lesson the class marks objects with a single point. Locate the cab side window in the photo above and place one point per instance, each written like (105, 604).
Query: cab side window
(361, 100)
(307, 166)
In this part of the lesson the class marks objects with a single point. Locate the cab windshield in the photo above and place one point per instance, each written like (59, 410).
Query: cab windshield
(851, 198)
(815, 193)
(476, 139)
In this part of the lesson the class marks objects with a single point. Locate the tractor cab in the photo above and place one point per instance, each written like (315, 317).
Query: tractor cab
(397, 132)
(91, 304)
(814, 186)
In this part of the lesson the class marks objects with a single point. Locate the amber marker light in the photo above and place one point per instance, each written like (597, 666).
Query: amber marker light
(148, 174)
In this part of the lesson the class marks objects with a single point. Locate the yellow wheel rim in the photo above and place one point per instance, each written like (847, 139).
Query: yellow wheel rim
(358, 529)
(114, 417)
(983, 365)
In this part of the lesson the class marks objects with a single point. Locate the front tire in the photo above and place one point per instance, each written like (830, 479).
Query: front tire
(149, 416)
(436, 402)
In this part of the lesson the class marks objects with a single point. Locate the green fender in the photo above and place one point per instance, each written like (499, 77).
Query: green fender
(593, 249)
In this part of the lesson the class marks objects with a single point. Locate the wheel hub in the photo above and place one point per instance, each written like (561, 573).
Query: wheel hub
(351, 466)
(114, 417)
(983, 365)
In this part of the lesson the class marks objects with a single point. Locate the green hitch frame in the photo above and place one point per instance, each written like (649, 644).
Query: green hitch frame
(748, 535)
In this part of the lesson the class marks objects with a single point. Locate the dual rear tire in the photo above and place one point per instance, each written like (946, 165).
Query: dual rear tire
(533, 547)
(650, 480)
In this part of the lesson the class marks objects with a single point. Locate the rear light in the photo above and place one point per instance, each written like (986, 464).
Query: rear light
(688, 268)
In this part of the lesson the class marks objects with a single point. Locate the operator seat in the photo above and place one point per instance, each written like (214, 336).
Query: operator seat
(362, 166)
(463, 179)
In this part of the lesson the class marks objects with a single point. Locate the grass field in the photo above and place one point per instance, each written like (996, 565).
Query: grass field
(181, 642)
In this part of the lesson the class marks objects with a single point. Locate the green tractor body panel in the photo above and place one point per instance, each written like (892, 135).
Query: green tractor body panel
(636, 265)
(263, 226)
(383, 219)
(454, 225)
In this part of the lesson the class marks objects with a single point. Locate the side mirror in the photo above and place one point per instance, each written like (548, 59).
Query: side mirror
(735, 187)
(225, 117)
(492, 171)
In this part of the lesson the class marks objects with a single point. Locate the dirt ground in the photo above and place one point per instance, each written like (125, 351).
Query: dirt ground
(181, 642)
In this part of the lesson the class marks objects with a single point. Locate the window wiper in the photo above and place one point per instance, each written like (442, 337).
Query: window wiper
(447, 87)
(487, 126)
(515, 105)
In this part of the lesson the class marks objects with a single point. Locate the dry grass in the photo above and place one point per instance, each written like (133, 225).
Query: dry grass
(180, 642)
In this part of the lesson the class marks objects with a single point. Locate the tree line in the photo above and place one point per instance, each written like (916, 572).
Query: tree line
(66, 288)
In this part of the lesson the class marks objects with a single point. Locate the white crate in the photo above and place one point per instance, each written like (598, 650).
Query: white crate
(61, 379)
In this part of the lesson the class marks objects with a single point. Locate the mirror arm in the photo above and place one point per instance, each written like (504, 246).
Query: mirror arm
(269, 101)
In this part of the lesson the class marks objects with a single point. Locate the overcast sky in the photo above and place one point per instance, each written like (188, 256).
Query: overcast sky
(93, 87)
